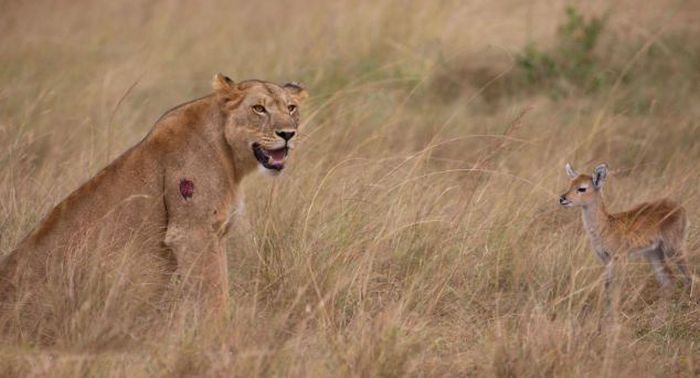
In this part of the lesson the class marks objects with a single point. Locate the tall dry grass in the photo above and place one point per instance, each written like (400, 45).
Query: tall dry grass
(416, 231)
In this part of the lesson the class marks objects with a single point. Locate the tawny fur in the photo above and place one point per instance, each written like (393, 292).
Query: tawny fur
(137, 201)
(655, 230)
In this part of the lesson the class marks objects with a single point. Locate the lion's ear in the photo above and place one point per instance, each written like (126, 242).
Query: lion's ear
(296, 91)
(224, 88)
(222, 83)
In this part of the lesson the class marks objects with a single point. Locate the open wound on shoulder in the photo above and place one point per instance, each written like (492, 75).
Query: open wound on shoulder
(186, 188)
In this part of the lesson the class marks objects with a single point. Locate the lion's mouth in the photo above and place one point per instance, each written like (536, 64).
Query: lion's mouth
(270, 159)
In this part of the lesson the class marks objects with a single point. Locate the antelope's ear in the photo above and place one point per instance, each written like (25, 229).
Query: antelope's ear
(600, 173)
(296, 91)
(570, 171)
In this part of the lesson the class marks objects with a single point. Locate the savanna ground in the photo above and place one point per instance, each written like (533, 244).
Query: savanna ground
(417, 230)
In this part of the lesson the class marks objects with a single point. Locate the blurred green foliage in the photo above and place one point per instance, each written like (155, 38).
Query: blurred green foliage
(571, 62)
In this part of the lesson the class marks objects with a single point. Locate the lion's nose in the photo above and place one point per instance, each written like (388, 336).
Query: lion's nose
(286, 135)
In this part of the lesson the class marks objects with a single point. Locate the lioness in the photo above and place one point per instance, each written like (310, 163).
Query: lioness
(170, 197)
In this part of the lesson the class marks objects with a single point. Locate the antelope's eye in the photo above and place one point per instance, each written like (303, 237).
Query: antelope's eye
(292, 108)
(581, 189)
(259, 109)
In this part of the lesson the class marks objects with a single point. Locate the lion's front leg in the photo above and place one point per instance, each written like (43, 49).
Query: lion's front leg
(196, 210)
(201, 274)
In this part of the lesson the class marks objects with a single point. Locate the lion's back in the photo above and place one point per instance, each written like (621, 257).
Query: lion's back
(119, 207)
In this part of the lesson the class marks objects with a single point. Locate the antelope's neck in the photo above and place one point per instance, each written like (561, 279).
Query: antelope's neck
(595, 219)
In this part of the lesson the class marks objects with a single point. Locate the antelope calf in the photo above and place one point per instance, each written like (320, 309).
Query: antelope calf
(655, 230)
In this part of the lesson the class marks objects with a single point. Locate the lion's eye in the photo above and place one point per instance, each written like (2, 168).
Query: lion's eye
(259, 109)
(292, 108)
(581, 189)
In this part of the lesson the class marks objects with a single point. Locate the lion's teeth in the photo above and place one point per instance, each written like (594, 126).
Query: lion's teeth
(277, 155)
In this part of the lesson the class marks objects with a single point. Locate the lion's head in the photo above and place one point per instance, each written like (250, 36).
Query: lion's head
(261, 119)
